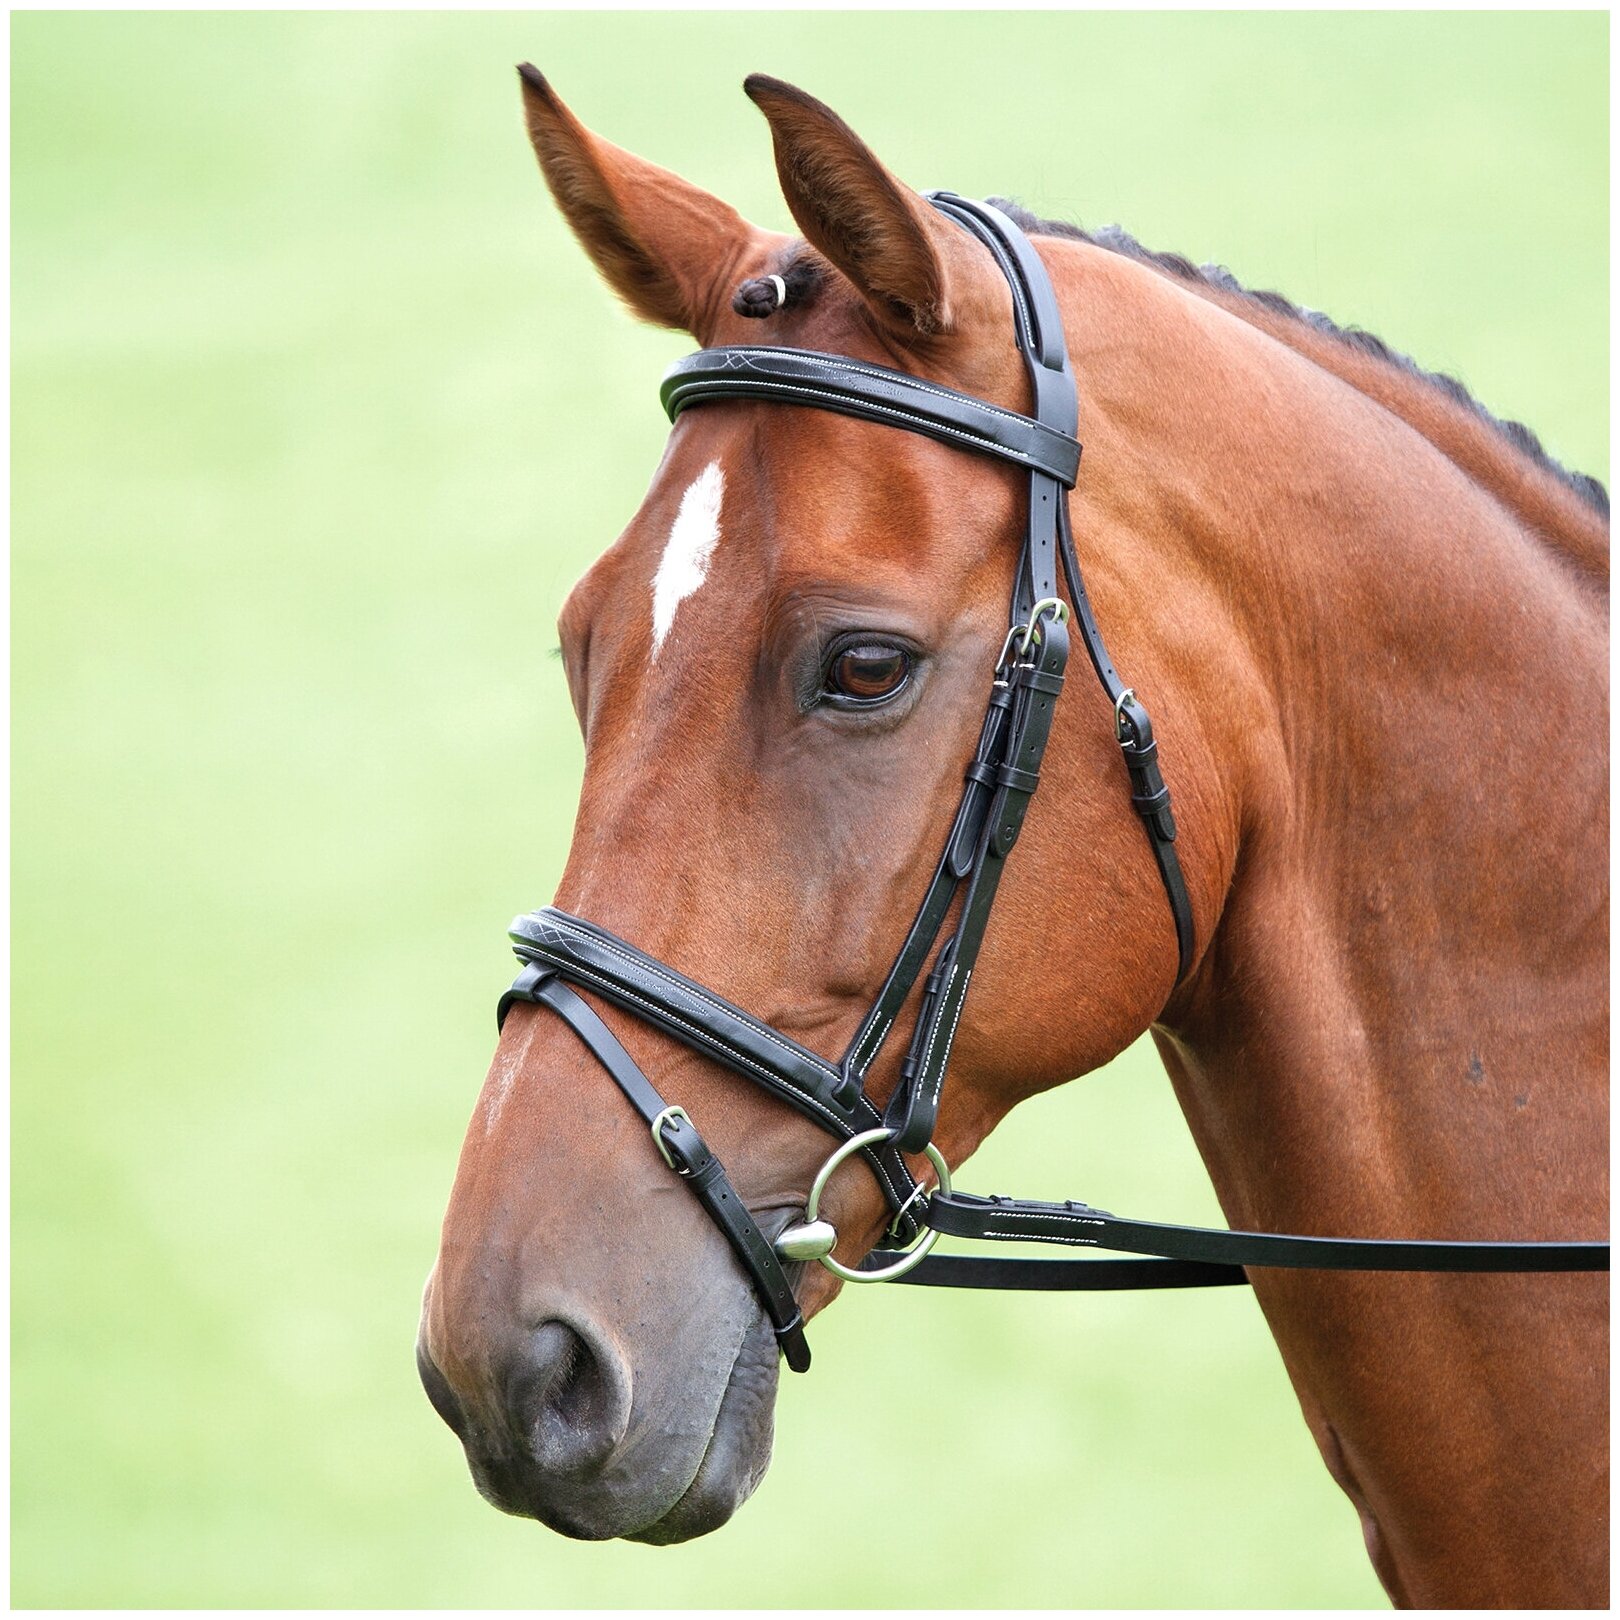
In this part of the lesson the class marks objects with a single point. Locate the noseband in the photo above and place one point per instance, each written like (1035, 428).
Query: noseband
(560, 951)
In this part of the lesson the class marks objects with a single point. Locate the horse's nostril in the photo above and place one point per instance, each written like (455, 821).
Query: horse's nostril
(568, 1400)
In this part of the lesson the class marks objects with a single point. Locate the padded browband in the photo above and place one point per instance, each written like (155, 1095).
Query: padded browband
(834, 382)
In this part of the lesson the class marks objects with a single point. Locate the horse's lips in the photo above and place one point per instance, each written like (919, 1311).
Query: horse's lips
(738, 1451)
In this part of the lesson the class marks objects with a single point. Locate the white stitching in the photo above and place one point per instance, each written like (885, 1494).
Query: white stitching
(615, 987)
(977, 440)
(1020, 1237)
(1050, 1215)
(871, 1046)
(648, 965)
(974, 438)
(961, 1003)
(841, 362)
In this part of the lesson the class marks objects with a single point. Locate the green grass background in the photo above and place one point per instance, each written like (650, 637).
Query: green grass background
(317, 414)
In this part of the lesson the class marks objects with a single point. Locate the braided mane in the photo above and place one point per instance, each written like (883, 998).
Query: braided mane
(1218, 277)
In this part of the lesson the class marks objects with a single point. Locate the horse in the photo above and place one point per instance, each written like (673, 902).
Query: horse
(1371, 622)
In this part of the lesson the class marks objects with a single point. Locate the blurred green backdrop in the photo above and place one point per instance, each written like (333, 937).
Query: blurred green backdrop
(309, 390)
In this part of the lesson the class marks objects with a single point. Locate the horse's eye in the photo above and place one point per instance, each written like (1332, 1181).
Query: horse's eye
(868, 672)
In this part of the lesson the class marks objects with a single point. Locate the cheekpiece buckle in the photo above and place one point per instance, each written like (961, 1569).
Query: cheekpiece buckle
(1122, 732)
(1028, 635)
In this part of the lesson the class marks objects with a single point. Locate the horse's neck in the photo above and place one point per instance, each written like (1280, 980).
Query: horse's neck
(1382, 702)
(1388, 698)
(1408, 981)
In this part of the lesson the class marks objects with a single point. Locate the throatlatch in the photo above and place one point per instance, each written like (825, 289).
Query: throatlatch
(560, 950)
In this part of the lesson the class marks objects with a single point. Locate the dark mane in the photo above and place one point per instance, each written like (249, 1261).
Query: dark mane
(1116, 240)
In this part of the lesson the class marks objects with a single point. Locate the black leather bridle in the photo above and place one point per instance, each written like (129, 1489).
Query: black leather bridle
(560, 951)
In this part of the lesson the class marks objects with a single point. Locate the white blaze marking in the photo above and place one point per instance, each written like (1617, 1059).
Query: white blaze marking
(691, 544)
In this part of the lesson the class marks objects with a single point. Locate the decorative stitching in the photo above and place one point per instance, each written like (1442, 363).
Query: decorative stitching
(663, 1014)
(1022, 1237)
(602, 981)
(842, 363)
(950, 1039)
(1052, 1215)
(977, 438)
(696, 992)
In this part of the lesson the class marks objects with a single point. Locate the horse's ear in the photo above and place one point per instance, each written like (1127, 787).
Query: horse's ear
(909, 263)
(666, 247)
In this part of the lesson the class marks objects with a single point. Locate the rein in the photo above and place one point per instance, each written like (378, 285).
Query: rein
(560, 951)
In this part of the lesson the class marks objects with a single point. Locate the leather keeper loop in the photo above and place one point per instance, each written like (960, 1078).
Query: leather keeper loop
(1010, 776)
(1039, 680)
(979, 772)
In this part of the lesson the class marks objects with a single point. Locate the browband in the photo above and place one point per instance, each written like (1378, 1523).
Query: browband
(833, 382)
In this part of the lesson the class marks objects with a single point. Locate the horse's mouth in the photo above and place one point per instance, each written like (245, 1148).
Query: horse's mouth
(738, 1452)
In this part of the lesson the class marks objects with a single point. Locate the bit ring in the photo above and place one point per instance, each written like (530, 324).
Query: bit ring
(819, 1185)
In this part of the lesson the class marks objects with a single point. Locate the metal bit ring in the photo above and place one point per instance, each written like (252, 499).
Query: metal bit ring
(819, 1185)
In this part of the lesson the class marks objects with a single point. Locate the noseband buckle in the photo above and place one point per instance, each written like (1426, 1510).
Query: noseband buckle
(664, 1117)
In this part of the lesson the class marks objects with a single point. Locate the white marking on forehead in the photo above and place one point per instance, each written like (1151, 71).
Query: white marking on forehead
(691, 543)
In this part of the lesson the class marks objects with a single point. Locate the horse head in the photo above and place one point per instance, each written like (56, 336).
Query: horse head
(779, 669)
(1365, 615)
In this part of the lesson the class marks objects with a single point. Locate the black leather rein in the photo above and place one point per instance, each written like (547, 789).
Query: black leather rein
(561, 951)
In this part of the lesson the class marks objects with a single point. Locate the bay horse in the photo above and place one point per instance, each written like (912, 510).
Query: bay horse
(1371, 622)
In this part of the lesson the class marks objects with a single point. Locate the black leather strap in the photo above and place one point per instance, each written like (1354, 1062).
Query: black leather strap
(1015, 1220)
(834, 382)
(1038, 336)
(687, 1155)
(961, 851)
(1035, 682)
(1150, 798)
(1057, 1276)
(584, 954)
